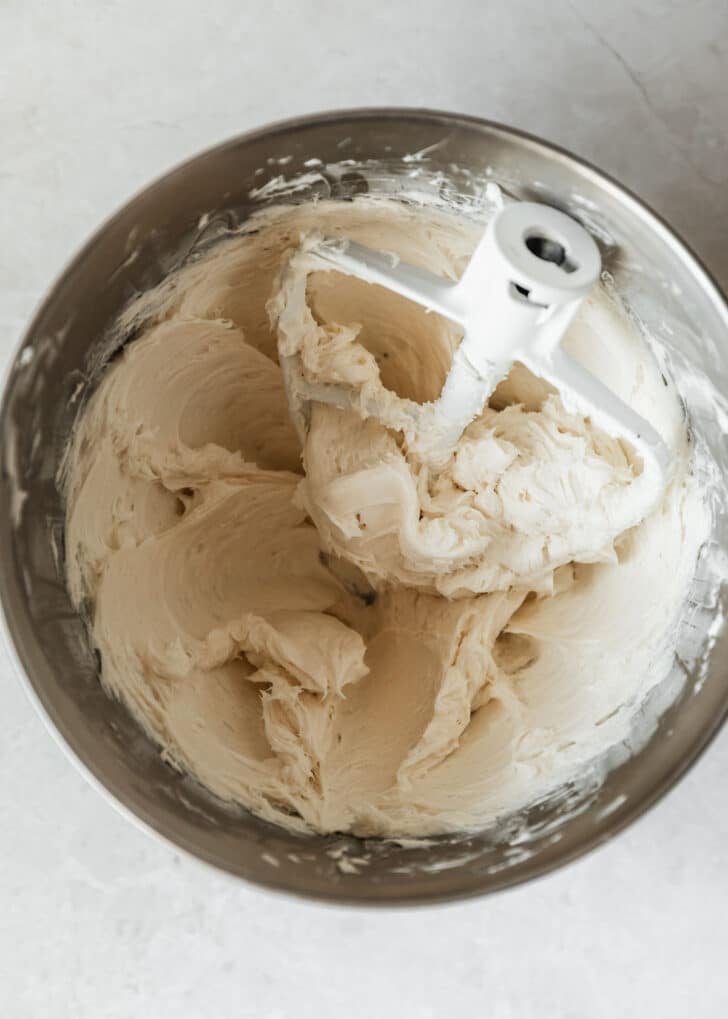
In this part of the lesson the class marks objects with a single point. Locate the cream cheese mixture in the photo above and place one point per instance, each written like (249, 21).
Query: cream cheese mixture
(341, 637)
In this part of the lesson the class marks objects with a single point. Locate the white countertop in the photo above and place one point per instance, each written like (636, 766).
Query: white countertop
(97, 920)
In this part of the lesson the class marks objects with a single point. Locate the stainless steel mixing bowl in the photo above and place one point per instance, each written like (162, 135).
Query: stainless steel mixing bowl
(377, 150)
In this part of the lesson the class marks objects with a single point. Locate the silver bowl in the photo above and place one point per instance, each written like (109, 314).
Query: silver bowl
(57, 365)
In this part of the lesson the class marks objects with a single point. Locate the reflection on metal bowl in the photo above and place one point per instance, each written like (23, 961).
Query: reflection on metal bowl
(340, 155)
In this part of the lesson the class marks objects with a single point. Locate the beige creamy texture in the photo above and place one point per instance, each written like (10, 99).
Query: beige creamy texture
(341, 637)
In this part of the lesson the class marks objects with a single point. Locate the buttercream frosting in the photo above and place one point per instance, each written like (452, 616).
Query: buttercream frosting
(314, 621)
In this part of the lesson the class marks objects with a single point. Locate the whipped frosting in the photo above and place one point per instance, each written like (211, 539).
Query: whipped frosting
(310, 619)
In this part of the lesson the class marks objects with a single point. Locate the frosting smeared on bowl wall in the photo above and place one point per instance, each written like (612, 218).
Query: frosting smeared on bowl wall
(500, 621)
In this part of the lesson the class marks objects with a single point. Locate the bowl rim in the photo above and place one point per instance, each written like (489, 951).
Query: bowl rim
(626, 816)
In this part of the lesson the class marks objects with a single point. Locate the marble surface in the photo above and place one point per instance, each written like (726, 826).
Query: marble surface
(97, 920)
